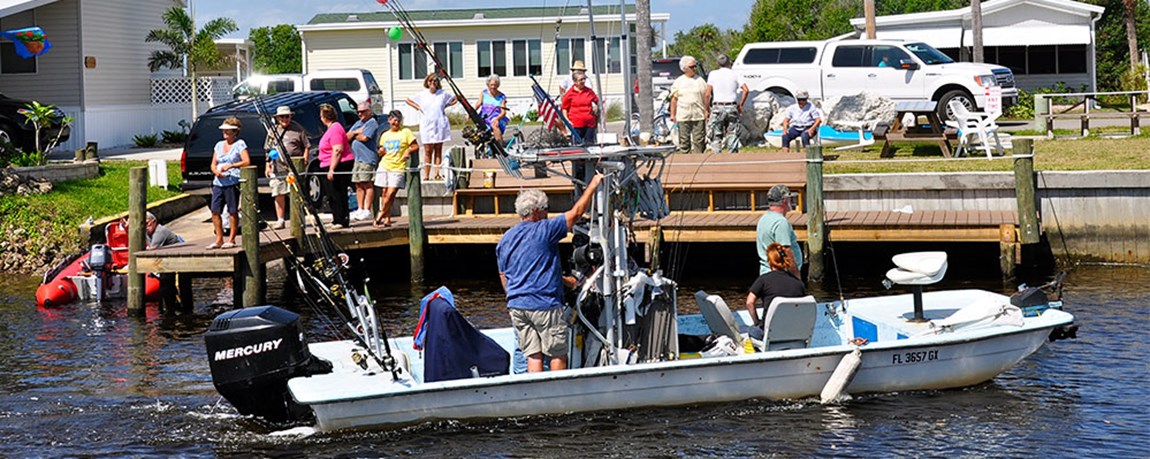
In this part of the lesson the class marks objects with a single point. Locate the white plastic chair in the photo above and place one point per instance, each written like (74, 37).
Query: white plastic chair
(789, 323)
(974, 126)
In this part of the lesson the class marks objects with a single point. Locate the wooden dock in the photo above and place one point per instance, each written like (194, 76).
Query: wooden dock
(713, 198)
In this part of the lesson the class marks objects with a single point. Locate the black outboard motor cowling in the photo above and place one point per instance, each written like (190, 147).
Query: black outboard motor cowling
(253, 352)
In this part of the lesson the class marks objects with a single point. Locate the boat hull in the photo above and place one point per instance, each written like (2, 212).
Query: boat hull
(374, 401)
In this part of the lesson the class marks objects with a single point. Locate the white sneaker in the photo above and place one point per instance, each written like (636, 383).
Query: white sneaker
(279, 224)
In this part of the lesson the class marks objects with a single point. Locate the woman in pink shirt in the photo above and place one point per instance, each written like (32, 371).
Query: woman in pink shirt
(336, 157)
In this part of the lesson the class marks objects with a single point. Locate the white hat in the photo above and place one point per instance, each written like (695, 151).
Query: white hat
(802, 94)
(227, 125)
(283, 110)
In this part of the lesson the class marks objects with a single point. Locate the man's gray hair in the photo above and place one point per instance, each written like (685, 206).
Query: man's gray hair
(148, 216)
(686, 61)
(529, 201)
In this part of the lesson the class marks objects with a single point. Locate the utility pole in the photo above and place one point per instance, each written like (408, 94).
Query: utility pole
(976, 28)
(868, 11)
(643, 51)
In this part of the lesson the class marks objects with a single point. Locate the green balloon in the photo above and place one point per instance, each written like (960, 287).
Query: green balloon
(395, 33)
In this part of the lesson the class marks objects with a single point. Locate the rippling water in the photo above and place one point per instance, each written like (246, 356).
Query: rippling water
(89, 381)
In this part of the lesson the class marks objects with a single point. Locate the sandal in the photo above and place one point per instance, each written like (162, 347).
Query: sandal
(228, 245)
(212, 246)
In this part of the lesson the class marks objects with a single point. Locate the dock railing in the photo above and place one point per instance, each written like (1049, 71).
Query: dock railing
(1086, 109)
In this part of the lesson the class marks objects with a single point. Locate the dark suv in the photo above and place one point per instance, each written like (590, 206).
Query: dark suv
(14, 127)
(197, 156)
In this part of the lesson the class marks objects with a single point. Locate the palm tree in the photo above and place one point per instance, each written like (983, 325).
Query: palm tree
(1130, 8)
(187, 46)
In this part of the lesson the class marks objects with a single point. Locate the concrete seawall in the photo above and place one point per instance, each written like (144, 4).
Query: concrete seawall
(1092, 215)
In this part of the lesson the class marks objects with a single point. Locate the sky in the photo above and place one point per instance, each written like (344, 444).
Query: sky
(685, 14)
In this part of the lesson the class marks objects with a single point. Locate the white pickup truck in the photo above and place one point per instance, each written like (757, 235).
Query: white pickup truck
(899, 70)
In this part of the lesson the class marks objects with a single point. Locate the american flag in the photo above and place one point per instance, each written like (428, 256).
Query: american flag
(548, 112)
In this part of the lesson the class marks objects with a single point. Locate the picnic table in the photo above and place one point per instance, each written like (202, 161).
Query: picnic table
(934, 129)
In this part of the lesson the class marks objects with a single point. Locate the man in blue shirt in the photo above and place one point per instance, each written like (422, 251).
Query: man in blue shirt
(529, 268)
(363, 138)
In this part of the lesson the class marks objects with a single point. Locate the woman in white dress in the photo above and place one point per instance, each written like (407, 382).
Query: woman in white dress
(434, 128)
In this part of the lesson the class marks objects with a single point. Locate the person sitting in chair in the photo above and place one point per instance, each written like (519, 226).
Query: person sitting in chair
(778, 282)
(802, 121)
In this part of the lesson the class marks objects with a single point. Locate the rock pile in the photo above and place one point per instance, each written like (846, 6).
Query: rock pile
(765, 112)
(12, 183)
(859, 107)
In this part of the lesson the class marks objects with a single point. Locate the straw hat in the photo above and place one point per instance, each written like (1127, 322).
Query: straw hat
(578, 65)
(226, 125)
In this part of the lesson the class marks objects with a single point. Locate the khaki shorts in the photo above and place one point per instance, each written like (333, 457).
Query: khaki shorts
(279, 187)
(362, 172)
(541, 331)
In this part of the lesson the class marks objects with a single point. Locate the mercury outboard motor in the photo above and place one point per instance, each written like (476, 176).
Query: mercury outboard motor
(253, 352)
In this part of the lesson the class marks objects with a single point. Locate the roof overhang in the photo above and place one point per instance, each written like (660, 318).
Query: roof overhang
(371, 25)
(10, 7)
(928, 19)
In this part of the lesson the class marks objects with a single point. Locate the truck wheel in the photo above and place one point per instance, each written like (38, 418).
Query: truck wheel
(9, 135)
(963, 97)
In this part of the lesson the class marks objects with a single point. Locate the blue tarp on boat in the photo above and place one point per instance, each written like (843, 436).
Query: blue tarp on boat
(451, 345)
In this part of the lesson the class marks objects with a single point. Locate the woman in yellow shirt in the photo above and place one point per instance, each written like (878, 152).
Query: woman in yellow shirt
(395, 146)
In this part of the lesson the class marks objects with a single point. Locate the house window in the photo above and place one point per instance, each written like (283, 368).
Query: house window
(1041, 60)
(412, 62)
(492, 57)
(451, 55)
(1071, 58)
(607, 56)
(1012, 57)
(526, 57)
(10, 62)
(568, 50)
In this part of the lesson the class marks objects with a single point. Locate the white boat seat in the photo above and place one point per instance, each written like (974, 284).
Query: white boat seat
(918, 268)
(718, 316)
(789, 323)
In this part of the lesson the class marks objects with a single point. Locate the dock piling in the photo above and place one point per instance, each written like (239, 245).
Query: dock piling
(1029, 231)
(137, 233)
(415, 234)
(254, 279)
(816, 221)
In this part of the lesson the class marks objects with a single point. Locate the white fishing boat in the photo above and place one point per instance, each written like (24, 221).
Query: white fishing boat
(626, 349)
(629, 347)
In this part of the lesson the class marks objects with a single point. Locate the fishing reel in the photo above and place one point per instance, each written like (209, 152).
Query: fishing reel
(477, 137)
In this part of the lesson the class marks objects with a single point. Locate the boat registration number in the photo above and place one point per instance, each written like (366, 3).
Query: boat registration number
(914, 357)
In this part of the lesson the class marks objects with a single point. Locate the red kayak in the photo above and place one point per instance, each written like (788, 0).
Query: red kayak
(59, 289)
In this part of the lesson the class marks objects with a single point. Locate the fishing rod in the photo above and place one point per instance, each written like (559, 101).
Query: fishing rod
(327, 273)
(479, 134)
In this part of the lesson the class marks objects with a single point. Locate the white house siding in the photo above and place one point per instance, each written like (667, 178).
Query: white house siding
(117, 92)
(369, 49)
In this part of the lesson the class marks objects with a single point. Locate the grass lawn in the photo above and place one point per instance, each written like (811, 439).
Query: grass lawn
(52, 220)
(1091, 153)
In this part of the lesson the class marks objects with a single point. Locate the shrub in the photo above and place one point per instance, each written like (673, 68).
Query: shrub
(176, 137)
(146, 140)
(458, 119)
(614, 111)
(532, 115)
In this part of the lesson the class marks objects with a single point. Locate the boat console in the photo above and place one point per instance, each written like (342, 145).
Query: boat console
(917, 269)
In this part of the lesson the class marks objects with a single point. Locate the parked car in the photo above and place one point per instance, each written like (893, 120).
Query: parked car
(268, 84)
(15, 128)
(196, 160)
(359, 84)
(897, 69)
